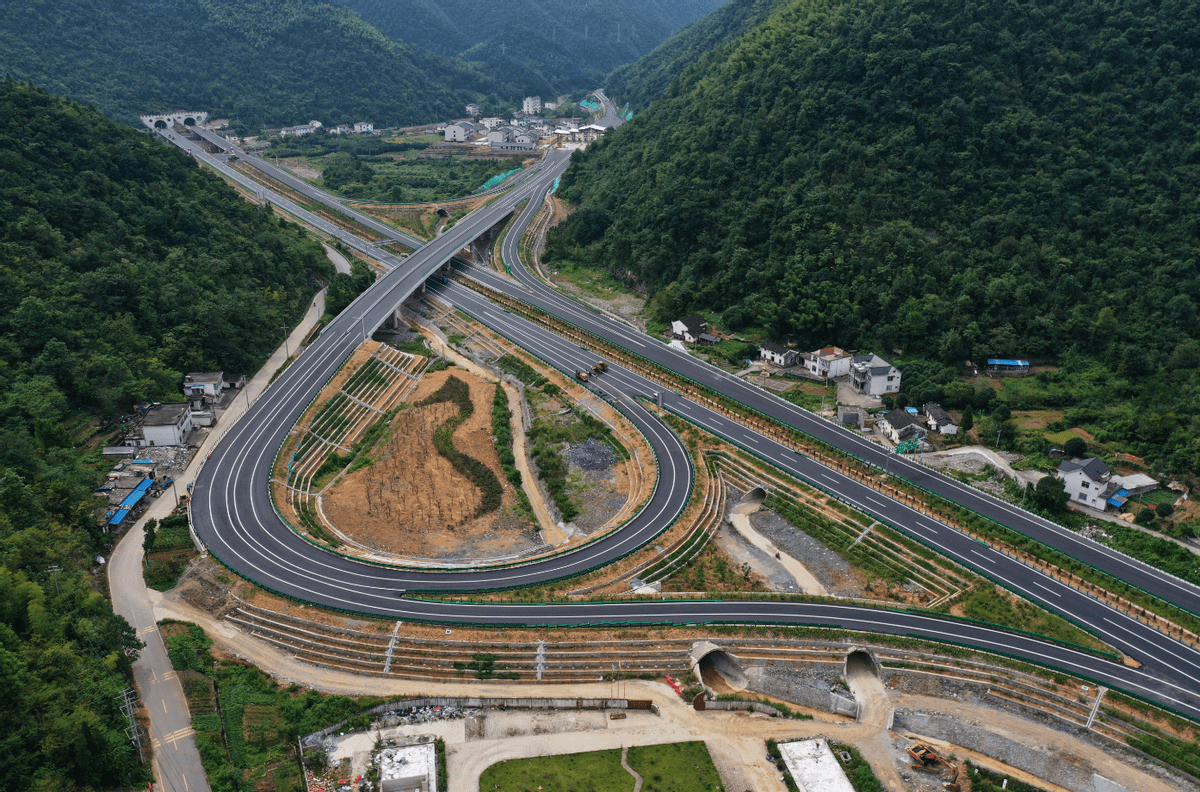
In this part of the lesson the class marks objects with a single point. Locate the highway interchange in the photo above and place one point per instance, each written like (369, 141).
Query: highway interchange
(234, 516)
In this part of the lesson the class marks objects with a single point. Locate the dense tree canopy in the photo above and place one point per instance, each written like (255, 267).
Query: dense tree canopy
(643, 81)
(951, 179)
(538, 48)
(258, 62)
(121, 265)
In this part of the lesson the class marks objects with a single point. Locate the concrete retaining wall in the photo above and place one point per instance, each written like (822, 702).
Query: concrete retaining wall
(806, 684)
(744, 706)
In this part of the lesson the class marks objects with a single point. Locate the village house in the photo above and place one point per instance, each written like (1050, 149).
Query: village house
(939, 420)
(462, 132)
(778, 354)
(492, 122)
(164, 424)
(472, 109)
(1090, 482)
(532, 105)
(692, 329)
(364, 128)
(900, 426)
(873, 376)
(829, 362)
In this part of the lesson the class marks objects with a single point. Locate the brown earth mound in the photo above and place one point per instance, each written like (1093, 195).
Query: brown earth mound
(412, 502)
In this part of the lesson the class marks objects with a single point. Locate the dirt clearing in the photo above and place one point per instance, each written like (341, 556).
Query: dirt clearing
(412, 502)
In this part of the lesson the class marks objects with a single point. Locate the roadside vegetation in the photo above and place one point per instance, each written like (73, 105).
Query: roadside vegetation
(246, 724)
(168, 548)
(122, 266)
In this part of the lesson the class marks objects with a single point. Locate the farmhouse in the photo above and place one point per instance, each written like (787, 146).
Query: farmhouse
(1090, 482)
(778, 354)
(873, 376)
(901, 425)
(939, 420)
(689, 328)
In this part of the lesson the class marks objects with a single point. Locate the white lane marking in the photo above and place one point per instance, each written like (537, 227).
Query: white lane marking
(1046, 588)
(981, 555)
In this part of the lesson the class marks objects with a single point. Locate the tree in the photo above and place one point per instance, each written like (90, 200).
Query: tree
(1164, 510)
(151, 534)
(1050, 495)
(1075, 447)
(968, 419)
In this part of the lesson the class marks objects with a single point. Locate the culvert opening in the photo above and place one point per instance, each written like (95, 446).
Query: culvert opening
(721, 672)
(442, 213)
(859, 663)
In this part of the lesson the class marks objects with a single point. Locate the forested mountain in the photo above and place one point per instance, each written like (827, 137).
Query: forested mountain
(542, 47)
(275, 62)
(641, 82)
(952, 179)
(121, 266)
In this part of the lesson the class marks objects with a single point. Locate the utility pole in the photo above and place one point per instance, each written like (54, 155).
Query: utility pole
(128, 700)
(54, 570)
(286, 353)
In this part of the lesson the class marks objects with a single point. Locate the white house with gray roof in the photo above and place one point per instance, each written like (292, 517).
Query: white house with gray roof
(873, 376)
(1090, 482)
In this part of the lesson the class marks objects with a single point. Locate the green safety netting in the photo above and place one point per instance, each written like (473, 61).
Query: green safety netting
(497, 179)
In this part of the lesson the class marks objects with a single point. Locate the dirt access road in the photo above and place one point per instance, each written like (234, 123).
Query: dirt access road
(735, 740)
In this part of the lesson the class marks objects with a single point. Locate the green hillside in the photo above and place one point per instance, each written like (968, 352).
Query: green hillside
(274, 62)
(953, 180)
(122, 265)
(542, 48)
(641, 82)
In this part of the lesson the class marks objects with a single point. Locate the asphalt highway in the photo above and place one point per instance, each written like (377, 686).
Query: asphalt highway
(1143, 576)
(233, 514)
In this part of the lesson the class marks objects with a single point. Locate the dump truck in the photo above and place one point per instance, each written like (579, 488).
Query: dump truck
(600, 367)
(581, 375)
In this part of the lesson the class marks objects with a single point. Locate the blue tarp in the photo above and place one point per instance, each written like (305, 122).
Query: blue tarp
(1007, 362)
(132, 498)
(141, 461)
(120, 514)
(911, 410)
(1119, 498)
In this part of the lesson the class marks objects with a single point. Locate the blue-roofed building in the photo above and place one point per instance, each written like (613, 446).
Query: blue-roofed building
(1012, 367)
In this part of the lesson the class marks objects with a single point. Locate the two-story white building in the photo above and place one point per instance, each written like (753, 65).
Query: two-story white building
(532, 105)
(1087, 481)
(830, 362)
(163, 424)
(462, 132)
(364, 128)
(472, 109)
(873, 376)
(1090, 482)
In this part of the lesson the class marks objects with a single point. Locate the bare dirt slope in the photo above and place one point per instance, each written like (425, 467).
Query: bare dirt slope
(413, 502)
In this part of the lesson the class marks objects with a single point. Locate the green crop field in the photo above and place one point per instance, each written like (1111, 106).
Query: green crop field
(673, 767)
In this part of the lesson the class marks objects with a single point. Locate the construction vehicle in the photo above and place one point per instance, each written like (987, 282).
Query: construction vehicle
(600, 367)
(926, 757)
(581, 375)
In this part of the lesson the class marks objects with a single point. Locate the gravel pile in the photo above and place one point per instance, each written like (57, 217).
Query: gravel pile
(592, 455)
(831, 569)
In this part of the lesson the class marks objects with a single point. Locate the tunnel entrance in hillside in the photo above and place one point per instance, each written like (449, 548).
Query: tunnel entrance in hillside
(160, 124)
(721, 673)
